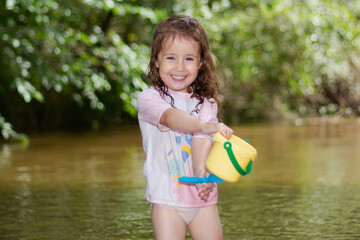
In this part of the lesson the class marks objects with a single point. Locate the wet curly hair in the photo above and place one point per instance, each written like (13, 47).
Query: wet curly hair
(206, 84)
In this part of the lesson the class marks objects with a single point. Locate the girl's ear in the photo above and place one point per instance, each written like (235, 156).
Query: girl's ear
(200, 64)
(157, 64)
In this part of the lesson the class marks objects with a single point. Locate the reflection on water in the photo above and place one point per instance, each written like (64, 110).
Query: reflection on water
(291, 212)
(305, 185)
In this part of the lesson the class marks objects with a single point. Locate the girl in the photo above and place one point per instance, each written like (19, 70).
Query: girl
(177, 117)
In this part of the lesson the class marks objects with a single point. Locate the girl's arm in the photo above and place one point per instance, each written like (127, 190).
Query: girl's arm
(179, 120)
(200, 149)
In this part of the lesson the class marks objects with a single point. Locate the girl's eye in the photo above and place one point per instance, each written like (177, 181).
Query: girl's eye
(189, 59)
(170, 58)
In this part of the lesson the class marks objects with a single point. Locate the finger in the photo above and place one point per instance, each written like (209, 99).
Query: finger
(225, 130)
(205, 195)
(205, 188)
(228, 132)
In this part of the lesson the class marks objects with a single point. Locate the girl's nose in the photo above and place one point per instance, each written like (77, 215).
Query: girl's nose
(179, 65)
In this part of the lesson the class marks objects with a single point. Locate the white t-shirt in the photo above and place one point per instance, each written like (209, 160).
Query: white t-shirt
(168, 152)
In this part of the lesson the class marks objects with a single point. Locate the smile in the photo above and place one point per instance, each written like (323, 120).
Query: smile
(178, 78)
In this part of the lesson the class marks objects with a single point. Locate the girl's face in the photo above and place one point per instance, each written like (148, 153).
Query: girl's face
(179, 62)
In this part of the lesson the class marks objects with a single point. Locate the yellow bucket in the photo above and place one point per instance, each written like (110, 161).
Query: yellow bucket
(231, 158)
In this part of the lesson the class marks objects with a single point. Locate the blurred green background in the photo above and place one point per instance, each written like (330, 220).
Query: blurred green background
(80, 64)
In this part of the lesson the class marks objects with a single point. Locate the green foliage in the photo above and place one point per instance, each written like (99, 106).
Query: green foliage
(71, 55)
(8, 132)
(280, 56)
(80, 63)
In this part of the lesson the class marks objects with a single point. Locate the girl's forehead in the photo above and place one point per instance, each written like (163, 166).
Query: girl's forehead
(169, 41)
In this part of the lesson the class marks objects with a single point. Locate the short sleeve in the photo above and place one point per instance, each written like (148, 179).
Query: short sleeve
(208, 113)
(151, 106)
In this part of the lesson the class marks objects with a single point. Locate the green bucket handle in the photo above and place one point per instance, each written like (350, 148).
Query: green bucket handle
(228, 148)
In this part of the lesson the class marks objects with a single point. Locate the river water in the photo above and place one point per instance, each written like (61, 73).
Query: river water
(305, 184)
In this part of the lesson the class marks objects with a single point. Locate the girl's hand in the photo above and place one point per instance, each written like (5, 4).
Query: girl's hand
(211, 128)
(203, 188)
(224, 130)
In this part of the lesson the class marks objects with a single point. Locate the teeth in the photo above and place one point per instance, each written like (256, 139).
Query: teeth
(178, 77)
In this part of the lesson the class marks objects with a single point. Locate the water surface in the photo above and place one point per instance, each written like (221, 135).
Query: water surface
(305, 184)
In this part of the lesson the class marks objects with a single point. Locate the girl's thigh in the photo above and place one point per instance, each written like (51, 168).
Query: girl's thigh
(167, 223)
(206, 224)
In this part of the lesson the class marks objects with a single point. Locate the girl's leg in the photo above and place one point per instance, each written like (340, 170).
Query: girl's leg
(206, 224)
(167, 223)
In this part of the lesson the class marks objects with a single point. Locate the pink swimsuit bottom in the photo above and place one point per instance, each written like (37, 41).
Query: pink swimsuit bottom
(187, 214)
